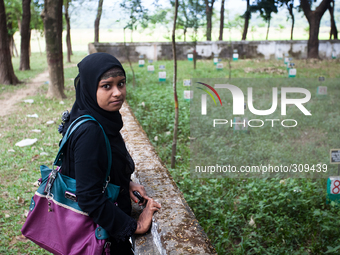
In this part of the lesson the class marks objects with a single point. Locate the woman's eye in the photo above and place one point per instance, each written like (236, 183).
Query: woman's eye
(121, 84)
(106, 86)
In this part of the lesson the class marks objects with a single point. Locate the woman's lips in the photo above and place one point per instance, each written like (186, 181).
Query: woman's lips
(117, 102)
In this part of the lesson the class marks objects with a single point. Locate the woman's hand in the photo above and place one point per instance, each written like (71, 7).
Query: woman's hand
(140, 188)
(145, 218)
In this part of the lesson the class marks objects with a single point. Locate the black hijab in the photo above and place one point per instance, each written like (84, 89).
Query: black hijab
(86, 83)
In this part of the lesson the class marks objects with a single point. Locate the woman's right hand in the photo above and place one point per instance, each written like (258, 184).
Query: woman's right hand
(145, 218)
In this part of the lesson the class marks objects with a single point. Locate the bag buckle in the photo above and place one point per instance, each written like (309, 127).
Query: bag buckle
(50, 181)
(107, 183)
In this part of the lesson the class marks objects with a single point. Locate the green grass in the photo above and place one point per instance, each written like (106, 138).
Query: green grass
(287, 222)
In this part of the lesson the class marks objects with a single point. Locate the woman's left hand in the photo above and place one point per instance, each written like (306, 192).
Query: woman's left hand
(137, 187)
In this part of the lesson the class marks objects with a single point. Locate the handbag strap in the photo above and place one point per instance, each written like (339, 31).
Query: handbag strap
(74, 125)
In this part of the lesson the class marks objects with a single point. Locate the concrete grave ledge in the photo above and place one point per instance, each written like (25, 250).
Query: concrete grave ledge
(206, 49)
(174, 230)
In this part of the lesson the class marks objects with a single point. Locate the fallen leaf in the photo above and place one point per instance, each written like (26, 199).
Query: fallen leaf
(11, 150)
(35, 157)
(29, 101)
(7, 216)
(36, 130)
(50, 122)
(25, 214)
(22, 169)
(21, 200)
(26, 142)
(32, 115)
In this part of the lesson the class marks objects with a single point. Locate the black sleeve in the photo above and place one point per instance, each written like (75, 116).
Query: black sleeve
(90, 167)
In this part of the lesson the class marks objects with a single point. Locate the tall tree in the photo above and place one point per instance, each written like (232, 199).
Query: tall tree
(68, 30)
(266, 8)
(97, 21)
(290, 7)
(138, 14)
(13, 19)
(334, 31)
(7, 75)
(314, 18)
(220, 38)
(188, 13)
(246, 16)
(25, 32)
(209, 5)
(174, 140)
(53, 24)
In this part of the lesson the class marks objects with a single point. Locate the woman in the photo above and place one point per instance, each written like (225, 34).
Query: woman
(100, 92)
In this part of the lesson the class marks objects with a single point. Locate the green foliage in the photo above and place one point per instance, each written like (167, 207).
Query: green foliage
(290, 216)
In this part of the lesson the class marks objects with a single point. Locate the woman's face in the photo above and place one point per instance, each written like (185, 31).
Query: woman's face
(111, 93)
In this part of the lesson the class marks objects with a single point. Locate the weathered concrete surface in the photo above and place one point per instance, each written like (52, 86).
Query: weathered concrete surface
(175, 229)
(206, 50)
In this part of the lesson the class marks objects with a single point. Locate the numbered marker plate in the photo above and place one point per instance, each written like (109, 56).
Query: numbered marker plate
(322, 90)
(188, 94)
(292, 72)
(162, 76)
(187, 82)
(235, 56)
(161, 67)
(215, 61)
(150, 61)
(190, 56)
(335, 185)
(286, 60)
(151, 68)
(219, 66)
(141, 62)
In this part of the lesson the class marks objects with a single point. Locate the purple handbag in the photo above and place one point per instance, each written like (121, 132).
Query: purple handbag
(55, 221)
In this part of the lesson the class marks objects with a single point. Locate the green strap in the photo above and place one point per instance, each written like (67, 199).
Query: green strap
(74, 125)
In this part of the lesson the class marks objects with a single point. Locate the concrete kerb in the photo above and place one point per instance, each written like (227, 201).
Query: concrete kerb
(175, 230)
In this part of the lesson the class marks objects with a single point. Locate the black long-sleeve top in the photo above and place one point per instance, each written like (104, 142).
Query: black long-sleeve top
(86, 161)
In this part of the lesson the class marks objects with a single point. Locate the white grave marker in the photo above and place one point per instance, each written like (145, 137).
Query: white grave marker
(219, 66)
(141, 62)
(322, 91)
(190, 57)
(151, 68)
(162, 76)
(188, 94)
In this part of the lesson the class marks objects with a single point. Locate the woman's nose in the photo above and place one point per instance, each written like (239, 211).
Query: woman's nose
(116, 92)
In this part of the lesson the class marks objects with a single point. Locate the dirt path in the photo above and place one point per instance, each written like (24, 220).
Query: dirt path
(8, 105)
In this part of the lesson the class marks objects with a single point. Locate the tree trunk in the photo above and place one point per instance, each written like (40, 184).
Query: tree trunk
(127, 51)
(68, 32)
(268, 29)
(53, 20)
(334, 30)
(25, 32)
(209, 13)
(7, 75)
(174, 141)
(314, 18)
(290, 9)
(220, 38)
(97, 21)
(185, 33)
(246, 22)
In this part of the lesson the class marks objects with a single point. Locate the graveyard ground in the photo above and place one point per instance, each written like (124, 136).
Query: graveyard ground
(240, 216)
